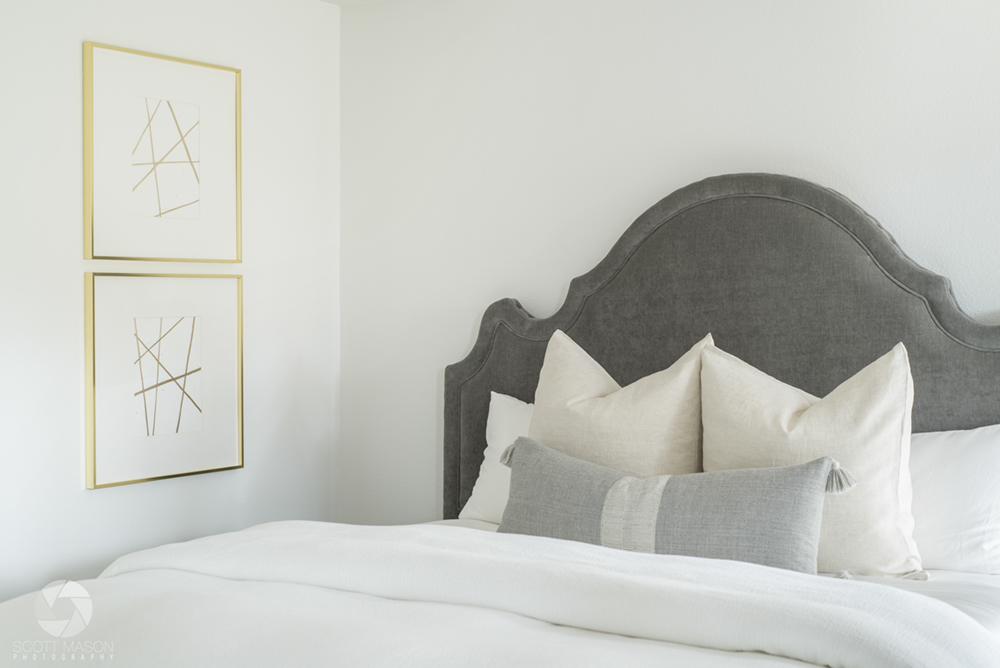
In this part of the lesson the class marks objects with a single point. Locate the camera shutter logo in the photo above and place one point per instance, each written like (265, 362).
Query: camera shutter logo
(63, 608)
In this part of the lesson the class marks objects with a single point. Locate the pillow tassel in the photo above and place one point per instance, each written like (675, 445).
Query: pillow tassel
(840, 480)
(844, 575)
(508, 454)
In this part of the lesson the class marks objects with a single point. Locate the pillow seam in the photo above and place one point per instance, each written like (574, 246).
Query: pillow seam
(912, 555)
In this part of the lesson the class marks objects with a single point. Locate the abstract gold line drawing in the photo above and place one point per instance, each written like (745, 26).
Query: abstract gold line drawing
(178, 207)
(156, 177)
(142, 383)
(160, 162)
(175, 344)
(187, 365)
(171, 379)
(181, 133)
(156, 396)
(154, 342)
(175, 189)
(145, 129)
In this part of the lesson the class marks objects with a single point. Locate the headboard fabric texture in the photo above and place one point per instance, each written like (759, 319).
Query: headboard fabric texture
(791, 277)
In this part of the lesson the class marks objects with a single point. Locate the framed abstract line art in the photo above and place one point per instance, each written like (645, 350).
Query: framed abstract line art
(161, 157)
(164, 376)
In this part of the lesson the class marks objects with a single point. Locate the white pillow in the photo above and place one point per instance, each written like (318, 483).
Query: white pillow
(752, 420)
(956, 499)
(652, 427)
(507, 420)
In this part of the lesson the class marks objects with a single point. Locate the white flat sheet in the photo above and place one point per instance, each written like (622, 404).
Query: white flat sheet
(975, 594)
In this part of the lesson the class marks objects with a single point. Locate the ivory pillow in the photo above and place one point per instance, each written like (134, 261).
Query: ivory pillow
(752, 420)
(649, 428)
(508, 418)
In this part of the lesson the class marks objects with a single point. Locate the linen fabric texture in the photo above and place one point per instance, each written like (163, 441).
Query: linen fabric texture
(753, 420)
(767, 516)
(651, 427)
(508, 418)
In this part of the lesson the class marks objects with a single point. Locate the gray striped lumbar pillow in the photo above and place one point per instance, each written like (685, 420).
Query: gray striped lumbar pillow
(765, 516)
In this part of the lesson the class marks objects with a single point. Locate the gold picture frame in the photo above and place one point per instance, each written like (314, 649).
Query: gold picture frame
(191, 209)
(155, 345)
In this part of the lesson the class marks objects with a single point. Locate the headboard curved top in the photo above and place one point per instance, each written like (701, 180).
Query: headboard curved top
(789, 276)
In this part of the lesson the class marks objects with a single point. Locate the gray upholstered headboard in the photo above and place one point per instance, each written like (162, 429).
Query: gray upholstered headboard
(793, 278)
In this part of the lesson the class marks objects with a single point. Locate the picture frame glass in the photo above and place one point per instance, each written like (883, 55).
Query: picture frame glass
(166, 384)
(162, 152)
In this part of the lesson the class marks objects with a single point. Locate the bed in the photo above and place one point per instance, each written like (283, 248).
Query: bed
(787, 282)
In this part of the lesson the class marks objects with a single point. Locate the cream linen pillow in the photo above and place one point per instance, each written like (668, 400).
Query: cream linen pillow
(752, 420)
(652, 427)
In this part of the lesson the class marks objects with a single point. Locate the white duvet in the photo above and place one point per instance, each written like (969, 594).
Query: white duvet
(311, 593)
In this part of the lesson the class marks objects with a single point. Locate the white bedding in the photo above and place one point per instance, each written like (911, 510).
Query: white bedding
(310, 593)
(482, 525)
(975, 594)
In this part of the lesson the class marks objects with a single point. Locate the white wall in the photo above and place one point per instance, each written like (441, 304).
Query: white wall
(497, 148)
(50, 526)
